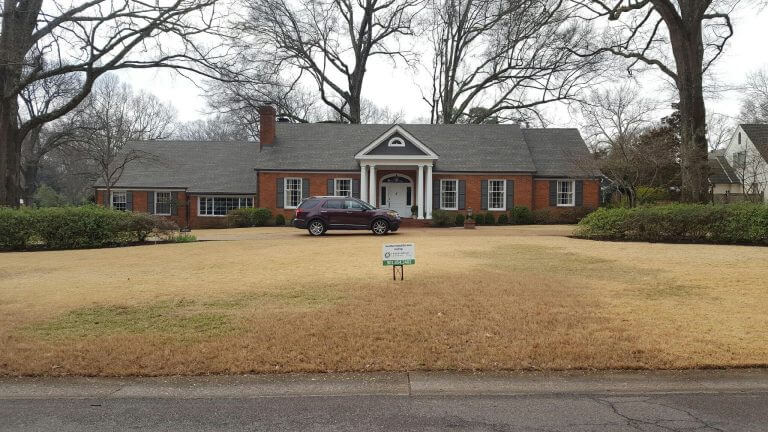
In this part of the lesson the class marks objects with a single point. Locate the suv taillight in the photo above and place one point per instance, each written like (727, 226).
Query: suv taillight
(299, 214)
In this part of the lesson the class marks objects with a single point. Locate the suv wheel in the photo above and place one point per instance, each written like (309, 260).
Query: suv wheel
(379, 227)
(316, 228)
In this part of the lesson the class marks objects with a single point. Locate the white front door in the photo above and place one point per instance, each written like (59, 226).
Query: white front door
(396, 198)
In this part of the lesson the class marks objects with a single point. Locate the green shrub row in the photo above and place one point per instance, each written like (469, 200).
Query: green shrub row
(249, 217)
(697, 223)
(516, 216)
(77, 227)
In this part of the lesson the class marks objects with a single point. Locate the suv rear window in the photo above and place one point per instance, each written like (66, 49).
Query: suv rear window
(308, 204)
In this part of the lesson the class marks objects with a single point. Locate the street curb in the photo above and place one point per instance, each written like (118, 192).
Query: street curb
(389, 384)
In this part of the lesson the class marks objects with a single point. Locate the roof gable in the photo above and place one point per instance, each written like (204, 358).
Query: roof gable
(758, 134)
(382, 148)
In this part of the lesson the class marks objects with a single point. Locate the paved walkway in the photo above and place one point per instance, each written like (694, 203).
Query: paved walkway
(733, 400)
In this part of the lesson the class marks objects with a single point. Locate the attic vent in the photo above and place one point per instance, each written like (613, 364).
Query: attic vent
(396, 142)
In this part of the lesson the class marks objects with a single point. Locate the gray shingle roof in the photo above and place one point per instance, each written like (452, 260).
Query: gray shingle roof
(720, 171)
(198, 166)
(560, 153)
(758, 134)
(228, 167)
(470, 148)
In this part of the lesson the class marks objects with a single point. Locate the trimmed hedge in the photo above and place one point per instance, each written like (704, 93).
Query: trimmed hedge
(248, 217)
(280, 220)
(459, 220)
(520, 215)
(77, 227)
(680, 223)
(562, 215)
(443, 218)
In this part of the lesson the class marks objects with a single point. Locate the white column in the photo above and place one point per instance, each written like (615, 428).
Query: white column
(428, 201)
(372, 187)
(420, 192)
(363, 183)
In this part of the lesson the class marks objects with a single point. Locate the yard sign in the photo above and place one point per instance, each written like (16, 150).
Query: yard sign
(398, 254)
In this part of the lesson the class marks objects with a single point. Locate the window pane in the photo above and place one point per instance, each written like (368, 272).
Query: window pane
(292, 192)
(448, 194)
(496, 192)
(343, 187)
(565, 193)
(163, 203)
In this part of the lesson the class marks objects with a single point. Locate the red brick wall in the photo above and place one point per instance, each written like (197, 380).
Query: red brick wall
(591, 194)
(474, 188)
(318, 185)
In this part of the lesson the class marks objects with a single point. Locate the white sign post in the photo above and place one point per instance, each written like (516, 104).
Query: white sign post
(398, 255)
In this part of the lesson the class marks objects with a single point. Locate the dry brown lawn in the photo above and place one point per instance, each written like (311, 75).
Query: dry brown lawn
(277, 300)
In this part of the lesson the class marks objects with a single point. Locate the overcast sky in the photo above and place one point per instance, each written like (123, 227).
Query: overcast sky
(396, 87)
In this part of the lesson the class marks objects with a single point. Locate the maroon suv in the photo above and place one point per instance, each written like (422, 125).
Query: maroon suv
(321, 213)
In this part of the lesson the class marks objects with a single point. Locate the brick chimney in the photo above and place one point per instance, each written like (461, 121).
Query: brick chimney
(267, 121)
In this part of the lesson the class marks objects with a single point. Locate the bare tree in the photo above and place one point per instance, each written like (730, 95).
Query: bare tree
(41, 40)
(221, 127)
(754, 102)
(682, 39)
(330, 40)
(614, 118)
(509, 57)
(38, 99)
(720, 129)
(111, 117)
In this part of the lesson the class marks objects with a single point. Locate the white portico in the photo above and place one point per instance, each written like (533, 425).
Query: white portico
(387, 177)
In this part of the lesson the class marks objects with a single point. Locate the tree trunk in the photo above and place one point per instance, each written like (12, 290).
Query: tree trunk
(29, 172)
(688, 49)
(10, 153)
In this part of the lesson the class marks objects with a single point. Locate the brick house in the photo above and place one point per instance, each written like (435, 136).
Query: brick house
(486, 168)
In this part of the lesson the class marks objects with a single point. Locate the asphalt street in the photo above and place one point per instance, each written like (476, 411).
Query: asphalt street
(685, 401)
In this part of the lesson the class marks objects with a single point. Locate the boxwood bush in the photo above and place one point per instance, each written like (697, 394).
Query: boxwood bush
(687, 223)
(459, 220)
(503, 219)
(249, 217)
(280, 220)
(443, 218)
(520, 215)
(77, 227)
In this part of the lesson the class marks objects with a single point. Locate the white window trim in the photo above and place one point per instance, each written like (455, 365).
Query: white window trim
(199, 207)
(503, 195)
(336, 187)
(573, 194)
(285, 192)
(456, 191)
(396, 142)
(169, 208)
(112, 198)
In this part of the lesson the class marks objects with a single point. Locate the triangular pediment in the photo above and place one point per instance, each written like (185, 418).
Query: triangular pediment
(396, 143)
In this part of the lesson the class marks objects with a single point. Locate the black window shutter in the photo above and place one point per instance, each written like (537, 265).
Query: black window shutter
(304, 188)
(484, 193)
(355, 188)
(579, 193)
(553, 193)
(435, 194)
(280, 193)
(129, 201)
(151, 202)
(510, 194)
(462, 194)
(174, 203)
(330, 187)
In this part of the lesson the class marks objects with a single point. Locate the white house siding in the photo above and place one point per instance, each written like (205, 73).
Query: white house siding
(756, 169)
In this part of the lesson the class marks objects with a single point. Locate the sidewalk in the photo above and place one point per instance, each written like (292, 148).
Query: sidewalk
(401, 384)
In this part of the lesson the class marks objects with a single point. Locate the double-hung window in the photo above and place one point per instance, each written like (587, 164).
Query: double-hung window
(292, 193)
(566, 193)
(449, 194)
(497, 194)
(120, 200)
(221, 205)
(342, 187)
(163, 203)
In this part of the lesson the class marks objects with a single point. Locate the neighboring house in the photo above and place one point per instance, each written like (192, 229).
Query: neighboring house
(748, 154)
(725, 184)
(450, 167)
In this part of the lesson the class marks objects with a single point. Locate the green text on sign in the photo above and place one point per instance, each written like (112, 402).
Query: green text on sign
(398, 254)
